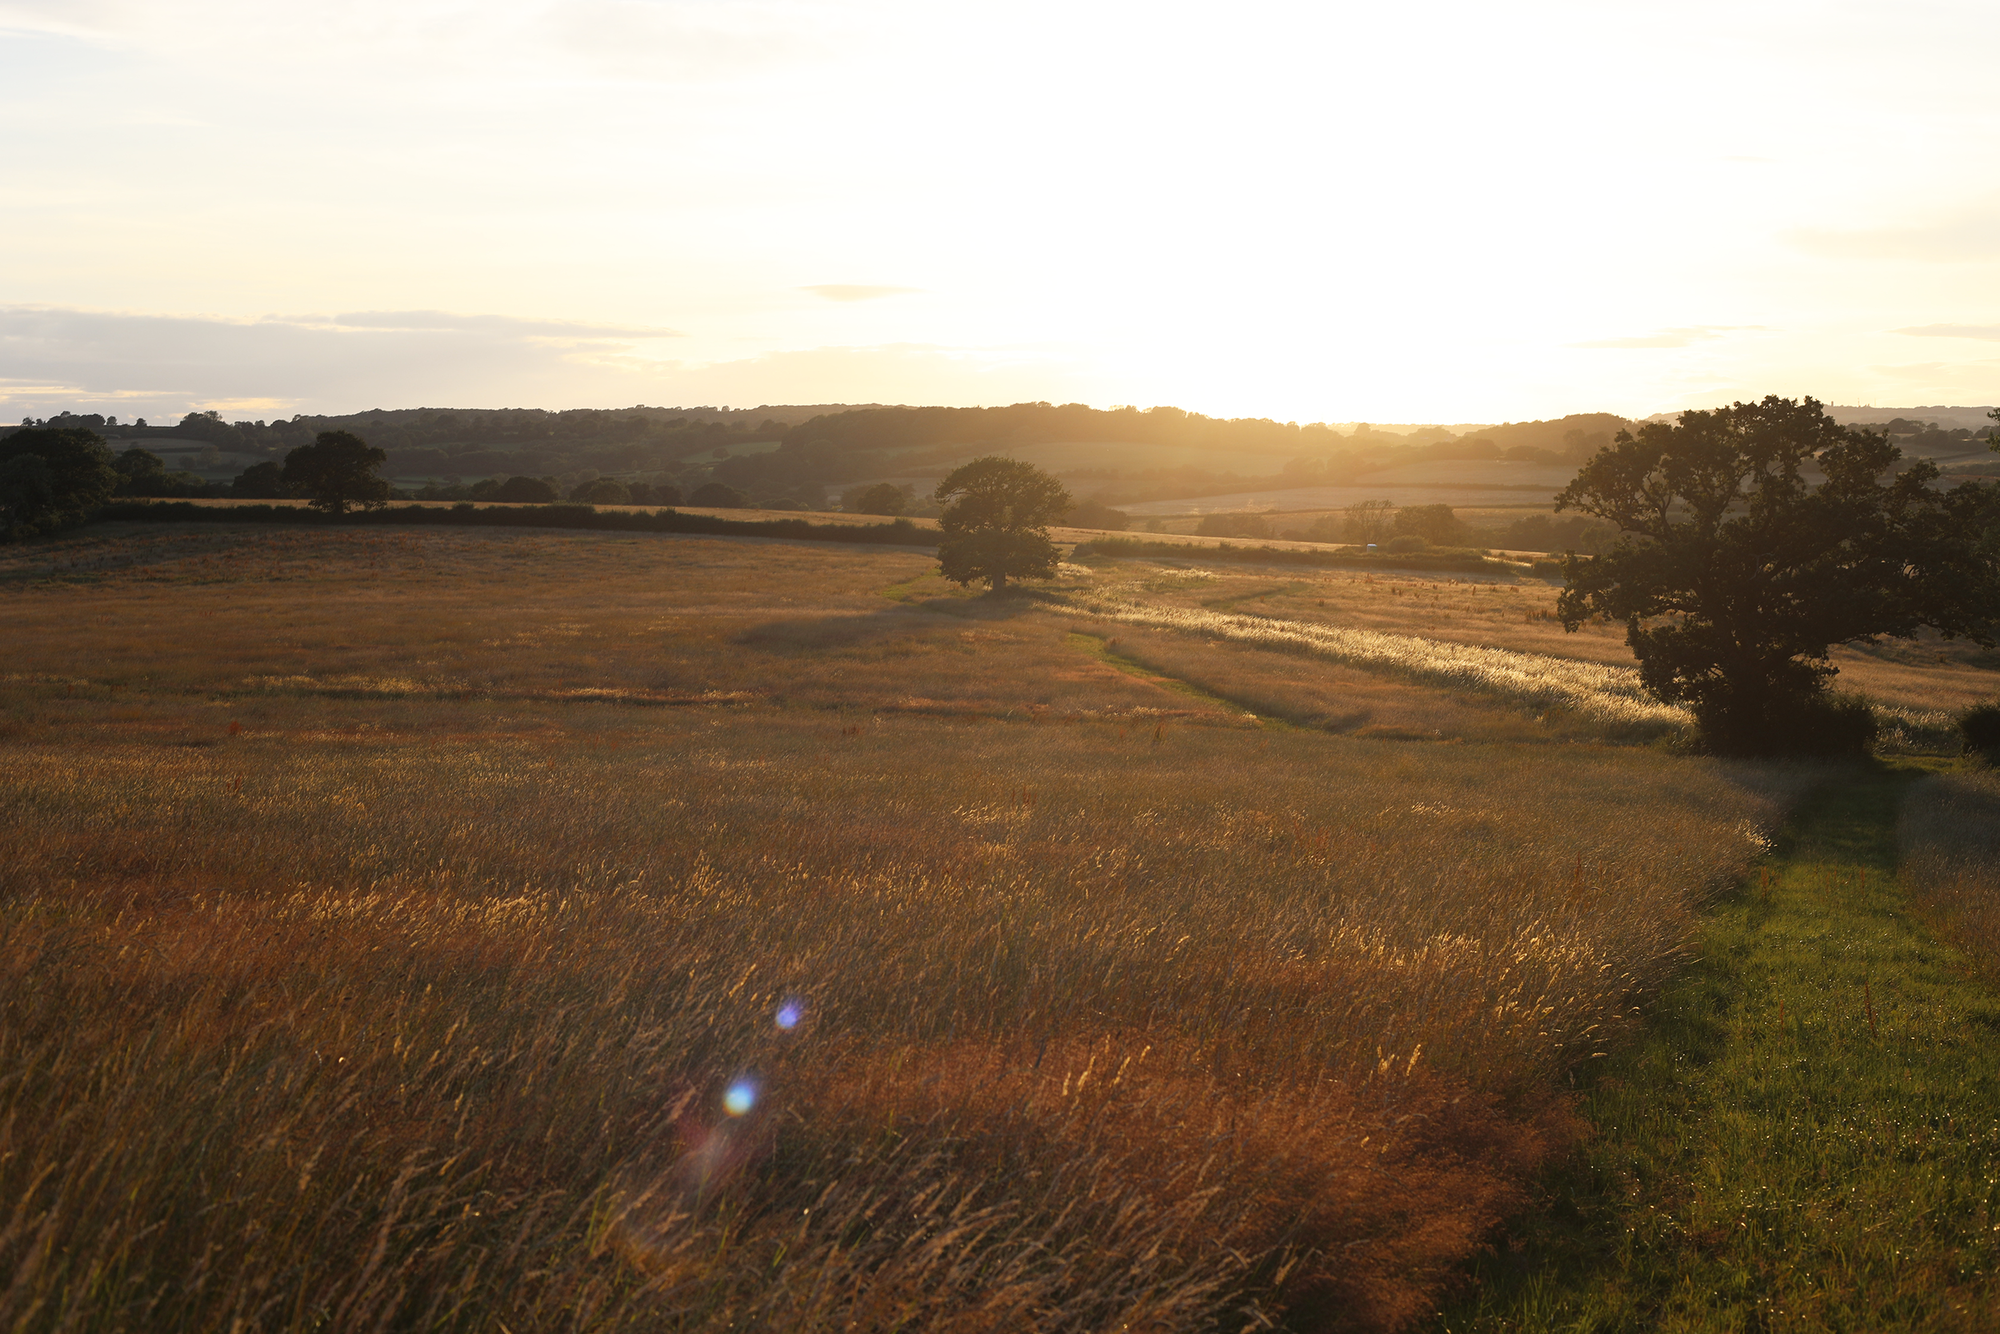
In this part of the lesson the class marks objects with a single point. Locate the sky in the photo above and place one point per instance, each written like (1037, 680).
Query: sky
(1335, 211)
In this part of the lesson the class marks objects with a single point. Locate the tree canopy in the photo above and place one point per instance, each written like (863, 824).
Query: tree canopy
(50, 479)
(996, 522)
(335, 471)
(1758, 536)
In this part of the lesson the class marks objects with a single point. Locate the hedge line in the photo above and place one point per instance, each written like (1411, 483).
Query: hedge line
(901, 532)
(1448, 558)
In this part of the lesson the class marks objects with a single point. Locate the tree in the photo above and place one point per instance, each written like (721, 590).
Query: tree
(1436, 524)
(135, 467)
(996, 522)
(883, 498)
(1368, 521)
(51, 478)
(718, 496)
(1096, 514)
(260, 481)
(1738, 570)
(603, 491)
(521, 490)
(335, 471)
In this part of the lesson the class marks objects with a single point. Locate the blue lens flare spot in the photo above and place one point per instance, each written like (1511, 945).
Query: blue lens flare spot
(740, 1098)
(789, 1015)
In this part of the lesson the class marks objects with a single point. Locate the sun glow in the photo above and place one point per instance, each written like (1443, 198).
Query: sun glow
(1455, 212)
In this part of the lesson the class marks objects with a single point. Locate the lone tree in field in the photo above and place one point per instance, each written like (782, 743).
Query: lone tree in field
(996, 522)
(1739, 567)
(50, 479)
(335, 471)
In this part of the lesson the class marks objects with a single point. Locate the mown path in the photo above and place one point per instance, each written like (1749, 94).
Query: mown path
(1809, 1136)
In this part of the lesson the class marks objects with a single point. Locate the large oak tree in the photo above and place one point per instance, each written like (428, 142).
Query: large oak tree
(1756, 537)
(335, 471)
(996, 522)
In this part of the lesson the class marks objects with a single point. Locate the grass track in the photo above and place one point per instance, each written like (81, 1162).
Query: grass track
(1809, 1136)
(1102, 650)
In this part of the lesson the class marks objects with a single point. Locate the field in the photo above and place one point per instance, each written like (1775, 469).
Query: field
(517, 929)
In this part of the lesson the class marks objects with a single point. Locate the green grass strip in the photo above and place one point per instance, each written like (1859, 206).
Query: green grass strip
(1809, 1136)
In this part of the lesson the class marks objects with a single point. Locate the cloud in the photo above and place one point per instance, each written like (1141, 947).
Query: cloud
(1987, 332)
(651, 42)
(1977, 375)
(1684, 337)
(436, 321)
(857, 291)
(1970, 237)
(161, 366)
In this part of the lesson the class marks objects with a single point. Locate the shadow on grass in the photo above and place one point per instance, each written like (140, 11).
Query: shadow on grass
(904, 616)
(1805, 1138)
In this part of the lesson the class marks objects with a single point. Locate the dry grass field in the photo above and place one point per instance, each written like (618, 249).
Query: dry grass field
(1519, 614)
(526, 930)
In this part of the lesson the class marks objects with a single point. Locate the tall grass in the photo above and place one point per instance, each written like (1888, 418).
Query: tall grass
(1609, 696)
(526, 1007)
(1949, 835)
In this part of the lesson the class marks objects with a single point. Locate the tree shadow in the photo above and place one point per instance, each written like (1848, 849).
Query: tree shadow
(833, 631)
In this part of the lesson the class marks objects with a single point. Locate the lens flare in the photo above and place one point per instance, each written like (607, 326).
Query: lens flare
(740, 1098)
(789, 1015)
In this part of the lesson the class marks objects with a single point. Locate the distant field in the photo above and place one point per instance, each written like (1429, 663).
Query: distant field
(484, 929)
(1070, 456)
(1088, 466)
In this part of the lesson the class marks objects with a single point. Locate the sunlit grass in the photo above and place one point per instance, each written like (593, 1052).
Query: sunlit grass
(378, 950)
(1608, 696)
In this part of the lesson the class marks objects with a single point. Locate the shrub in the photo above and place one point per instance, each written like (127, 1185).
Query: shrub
(1407, 542)
(1980, 726)
(1785, 723)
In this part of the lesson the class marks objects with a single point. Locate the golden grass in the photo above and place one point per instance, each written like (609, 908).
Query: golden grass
(1610, 697)
(1293, 688)
(1949, 836)
(1917, 682)
(384, 917)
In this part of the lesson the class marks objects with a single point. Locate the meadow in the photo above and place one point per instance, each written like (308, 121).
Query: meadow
(523, 930)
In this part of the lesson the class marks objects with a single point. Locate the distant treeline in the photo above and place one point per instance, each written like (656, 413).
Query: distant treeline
(900, 532)
(818, 448)
(478, 442)
(1044, 423)
(869, 441)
